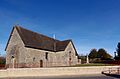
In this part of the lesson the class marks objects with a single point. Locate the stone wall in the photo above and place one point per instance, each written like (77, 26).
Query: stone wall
(74, 58)
(15, 48)
(60, 71)
(33, 56)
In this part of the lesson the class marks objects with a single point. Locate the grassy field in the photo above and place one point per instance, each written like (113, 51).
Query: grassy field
(92, 64)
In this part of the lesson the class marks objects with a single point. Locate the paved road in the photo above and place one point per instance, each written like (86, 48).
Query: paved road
(69, 77)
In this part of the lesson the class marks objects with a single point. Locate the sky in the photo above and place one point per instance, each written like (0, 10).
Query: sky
(89, 23)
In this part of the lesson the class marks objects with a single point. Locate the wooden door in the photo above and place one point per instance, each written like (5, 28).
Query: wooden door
(41, 63)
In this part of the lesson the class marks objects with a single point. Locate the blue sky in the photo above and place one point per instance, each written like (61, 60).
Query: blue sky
(89, 23)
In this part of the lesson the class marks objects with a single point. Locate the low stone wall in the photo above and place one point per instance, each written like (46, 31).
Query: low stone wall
(20, 72)
(3, 73)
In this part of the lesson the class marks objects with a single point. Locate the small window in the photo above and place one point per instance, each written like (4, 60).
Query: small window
(70, 53)
(12, 57)
(46, 55)
(34, 59)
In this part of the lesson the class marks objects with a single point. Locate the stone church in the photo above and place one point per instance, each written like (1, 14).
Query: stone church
(29, 49)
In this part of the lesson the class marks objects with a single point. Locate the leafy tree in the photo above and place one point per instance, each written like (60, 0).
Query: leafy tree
(2, 60)
(93, 53)
(117, 57)
(118, 49)
(102, 53)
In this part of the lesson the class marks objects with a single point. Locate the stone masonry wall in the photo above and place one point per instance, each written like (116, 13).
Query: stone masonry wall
(15, 48)
(74, 59)
(33, 56)
(60, 71)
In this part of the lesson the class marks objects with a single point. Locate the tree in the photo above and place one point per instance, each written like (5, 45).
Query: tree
(117, 57)
(118, 49)
(2, 60)
(93, 53)
(102, 53)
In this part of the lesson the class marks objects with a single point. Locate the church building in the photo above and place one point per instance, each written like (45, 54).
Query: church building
(29, 49)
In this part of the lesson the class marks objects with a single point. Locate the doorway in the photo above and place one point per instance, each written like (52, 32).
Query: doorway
(41, 63)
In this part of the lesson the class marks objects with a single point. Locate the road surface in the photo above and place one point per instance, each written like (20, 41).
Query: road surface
(68, 77)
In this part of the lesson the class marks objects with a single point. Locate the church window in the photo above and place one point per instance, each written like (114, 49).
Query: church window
(46, 55)
(12, 56)
(70, 54)
(34, 59)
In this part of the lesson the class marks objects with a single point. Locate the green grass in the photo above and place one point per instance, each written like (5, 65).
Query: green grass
(92, 64)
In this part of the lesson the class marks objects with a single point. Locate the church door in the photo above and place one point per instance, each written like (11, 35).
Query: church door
(41, 63)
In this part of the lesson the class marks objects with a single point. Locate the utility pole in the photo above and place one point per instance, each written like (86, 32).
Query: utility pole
(54, 48)
(54, 42)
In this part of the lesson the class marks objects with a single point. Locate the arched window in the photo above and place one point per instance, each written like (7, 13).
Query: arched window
(46, 55)
(70, 54)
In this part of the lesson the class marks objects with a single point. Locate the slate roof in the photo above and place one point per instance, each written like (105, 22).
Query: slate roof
(38, 41)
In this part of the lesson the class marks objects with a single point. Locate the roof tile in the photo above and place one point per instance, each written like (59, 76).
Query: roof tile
(39, 41)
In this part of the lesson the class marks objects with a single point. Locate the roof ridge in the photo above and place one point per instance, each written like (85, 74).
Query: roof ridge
(66, 40)
(19, 27)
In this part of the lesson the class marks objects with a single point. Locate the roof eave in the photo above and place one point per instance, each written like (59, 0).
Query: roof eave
(9, 38)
